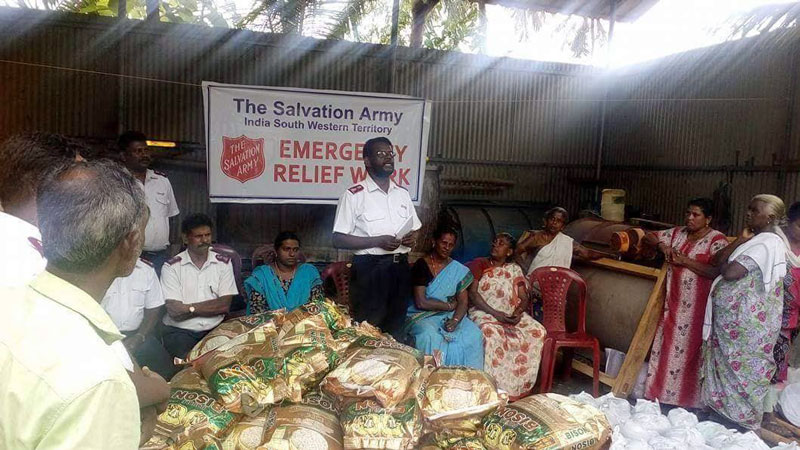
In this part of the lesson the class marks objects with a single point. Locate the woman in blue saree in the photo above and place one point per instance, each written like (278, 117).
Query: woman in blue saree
(283, 283)
(437, 317)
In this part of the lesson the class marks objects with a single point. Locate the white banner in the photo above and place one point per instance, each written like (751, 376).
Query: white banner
(283, 145)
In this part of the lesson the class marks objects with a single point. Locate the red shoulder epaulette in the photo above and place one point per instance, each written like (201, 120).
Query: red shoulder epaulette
(223, 258)
(173, 260)
(157, 172)
(37, 244)
(356, 189)
(146, 261)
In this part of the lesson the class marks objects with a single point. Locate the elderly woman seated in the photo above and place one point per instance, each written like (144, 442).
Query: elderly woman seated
(513, 340)
(283, 283)
(437, 319)
(550, 247)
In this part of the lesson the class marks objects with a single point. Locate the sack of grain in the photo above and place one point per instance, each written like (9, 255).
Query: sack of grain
(246, 376)
(456, 399)
(248, 434)
(316, 314)
(430, 442)
(374, 368)
(346, 336)
(304, 367)
(311, 424)
(193, 418)
(545, 421)
(366, 424)
(231, 329)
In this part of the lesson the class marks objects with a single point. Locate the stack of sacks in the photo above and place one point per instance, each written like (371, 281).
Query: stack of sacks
(251, 374)
(643, 427)
(545, 421)
(312, 380)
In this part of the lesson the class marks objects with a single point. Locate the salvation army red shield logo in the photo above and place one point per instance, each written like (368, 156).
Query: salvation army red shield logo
(242, 158)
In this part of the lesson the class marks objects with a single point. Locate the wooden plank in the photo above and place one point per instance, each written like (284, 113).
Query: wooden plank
(787, 426)
(772, 438)
(586, 369)
(625, 267)
(642, 339)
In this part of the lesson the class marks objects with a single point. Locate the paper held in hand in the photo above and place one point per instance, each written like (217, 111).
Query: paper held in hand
(405, 228)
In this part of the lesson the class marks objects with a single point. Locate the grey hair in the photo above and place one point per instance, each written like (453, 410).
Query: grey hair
(775, 206)
(85, 211)
(556, 209)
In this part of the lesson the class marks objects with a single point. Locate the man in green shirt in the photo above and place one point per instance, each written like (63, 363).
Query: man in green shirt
(63, 380)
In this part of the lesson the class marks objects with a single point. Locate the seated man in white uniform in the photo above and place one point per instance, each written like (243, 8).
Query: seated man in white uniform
(26, 160)
(198, 286)
(136, 304)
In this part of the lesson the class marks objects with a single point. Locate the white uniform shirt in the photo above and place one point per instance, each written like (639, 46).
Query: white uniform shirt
(365, 210)
(161, 200)
(21, 245)
(128, 297)
(181, 280)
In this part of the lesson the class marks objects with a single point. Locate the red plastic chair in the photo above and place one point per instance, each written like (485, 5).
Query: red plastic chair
(339, 273)
(554, 283)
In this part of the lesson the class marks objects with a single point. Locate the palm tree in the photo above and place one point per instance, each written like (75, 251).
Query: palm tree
(764, 18)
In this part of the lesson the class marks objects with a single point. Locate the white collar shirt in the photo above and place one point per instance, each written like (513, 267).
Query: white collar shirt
(183, 281)
(21, 246)
(128, 297)
(161, 200)
(365, 210)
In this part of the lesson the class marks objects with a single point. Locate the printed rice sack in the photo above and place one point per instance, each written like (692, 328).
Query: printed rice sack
(304, 367)
(366, 424)
(246, 376)
(345, 337)
(193, 418)
(430, 442)
(230, 329)
(547, 422)
(374, 368)
(311, 424)
(456, 399)
(248, 434)
(316, 314)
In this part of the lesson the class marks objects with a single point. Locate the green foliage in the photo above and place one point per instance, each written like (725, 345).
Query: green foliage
(450, 24)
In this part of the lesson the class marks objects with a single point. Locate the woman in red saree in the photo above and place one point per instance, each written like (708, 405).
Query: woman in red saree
(673, 376)
(791, 296)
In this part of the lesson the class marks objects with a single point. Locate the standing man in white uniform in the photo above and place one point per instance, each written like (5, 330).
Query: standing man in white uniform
(377, 219)
(26, 160)
(136, 304)
(198, 287)
(137, 157)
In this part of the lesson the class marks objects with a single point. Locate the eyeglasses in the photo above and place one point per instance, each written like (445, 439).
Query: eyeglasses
(384, 154)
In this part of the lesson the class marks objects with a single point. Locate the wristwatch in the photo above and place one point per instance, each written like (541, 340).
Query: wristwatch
(191, 310)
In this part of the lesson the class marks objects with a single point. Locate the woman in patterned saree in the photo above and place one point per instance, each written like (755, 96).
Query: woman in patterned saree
(673, 376)
(512, 339)
(437, 319)
(285, 283)
(743, 316)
